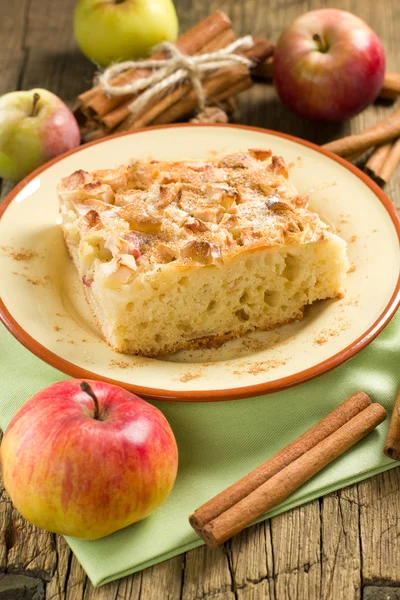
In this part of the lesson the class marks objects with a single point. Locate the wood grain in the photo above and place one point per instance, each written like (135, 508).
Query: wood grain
(345, 546)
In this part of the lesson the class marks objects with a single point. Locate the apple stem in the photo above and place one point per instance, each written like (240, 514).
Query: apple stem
(85, 387)
(323, 46)
(36, 98)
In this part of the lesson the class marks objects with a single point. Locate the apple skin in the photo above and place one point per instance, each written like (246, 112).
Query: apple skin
(27, 141)
(72, 474)
(108, 31)
(335, 84)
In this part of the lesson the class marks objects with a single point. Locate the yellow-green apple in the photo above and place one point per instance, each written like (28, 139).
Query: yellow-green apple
(114, 30)
(86, 460)
(35, 126)
(328, 65)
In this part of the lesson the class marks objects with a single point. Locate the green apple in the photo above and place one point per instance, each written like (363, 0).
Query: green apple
(35, 126)
(108, 31)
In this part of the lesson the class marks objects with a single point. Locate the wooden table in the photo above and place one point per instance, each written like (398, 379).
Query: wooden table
(343, 546)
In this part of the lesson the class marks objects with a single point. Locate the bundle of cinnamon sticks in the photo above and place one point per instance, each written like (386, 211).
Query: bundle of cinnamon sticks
(272, 482)
(99, 114)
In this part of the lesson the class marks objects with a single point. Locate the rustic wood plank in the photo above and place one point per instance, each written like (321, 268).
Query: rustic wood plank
(65, 73)
(208, 575)
(55, 589)
(380, 528)
(167, 577)
(381, 593)
(13, 51)
(49, 25)
(252, 563)
(341, 552)
(297, 552)
(59, 67)
(327, 549)
(19, 587)
(12, 35)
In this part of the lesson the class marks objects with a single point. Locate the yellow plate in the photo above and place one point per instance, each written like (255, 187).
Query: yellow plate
(43, 305)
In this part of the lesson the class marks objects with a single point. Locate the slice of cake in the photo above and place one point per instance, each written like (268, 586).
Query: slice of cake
(186, 254)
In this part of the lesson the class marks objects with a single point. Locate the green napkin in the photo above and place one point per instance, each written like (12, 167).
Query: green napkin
(221, 441)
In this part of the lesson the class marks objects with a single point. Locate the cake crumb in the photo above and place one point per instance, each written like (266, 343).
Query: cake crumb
(58, 314)
(32, 280)
(326, 334)
(353, 302)
(324, 185)
(57, 328)
(352, 239)
(71, 342)
(59, 339)
(189, 377)
(320, 340)
(21, 254)
(259, 367)
(120, 364)
(84, 340)
(352, 268)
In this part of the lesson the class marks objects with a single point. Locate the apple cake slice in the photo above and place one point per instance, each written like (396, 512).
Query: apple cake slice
(186, 253)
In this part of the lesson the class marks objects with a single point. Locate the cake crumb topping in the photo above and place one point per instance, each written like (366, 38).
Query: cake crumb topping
(151, 213)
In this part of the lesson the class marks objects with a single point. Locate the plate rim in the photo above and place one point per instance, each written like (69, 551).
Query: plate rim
(276, 385)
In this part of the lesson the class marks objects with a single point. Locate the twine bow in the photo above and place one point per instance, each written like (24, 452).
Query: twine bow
(169, 72)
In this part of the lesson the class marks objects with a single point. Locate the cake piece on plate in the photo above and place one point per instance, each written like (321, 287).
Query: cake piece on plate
(183, 254)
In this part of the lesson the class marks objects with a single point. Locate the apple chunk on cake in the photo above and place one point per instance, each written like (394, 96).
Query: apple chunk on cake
(182, 254)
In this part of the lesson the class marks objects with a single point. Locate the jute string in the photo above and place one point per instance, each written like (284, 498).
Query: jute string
(168, 72)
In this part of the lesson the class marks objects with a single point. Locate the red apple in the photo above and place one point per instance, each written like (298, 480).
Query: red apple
(328, 65)
(87, 463)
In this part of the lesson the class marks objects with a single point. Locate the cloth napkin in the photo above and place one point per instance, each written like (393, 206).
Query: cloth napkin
(221, 441)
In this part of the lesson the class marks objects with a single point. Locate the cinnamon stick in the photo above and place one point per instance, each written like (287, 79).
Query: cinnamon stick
(391, 162)
(113, 118)
(221, 40)
(96, 102)
(376, 161)
(392, 443)
(93, 134)
(383, 131)
(359, 153)
(247, 484)
(355, 156)
(230, 92)
(391, 86)
(217, 88)
(265, 70)
(281, 485)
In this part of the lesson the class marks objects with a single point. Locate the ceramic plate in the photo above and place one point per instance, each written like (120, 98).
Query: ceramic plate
(44, 307)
